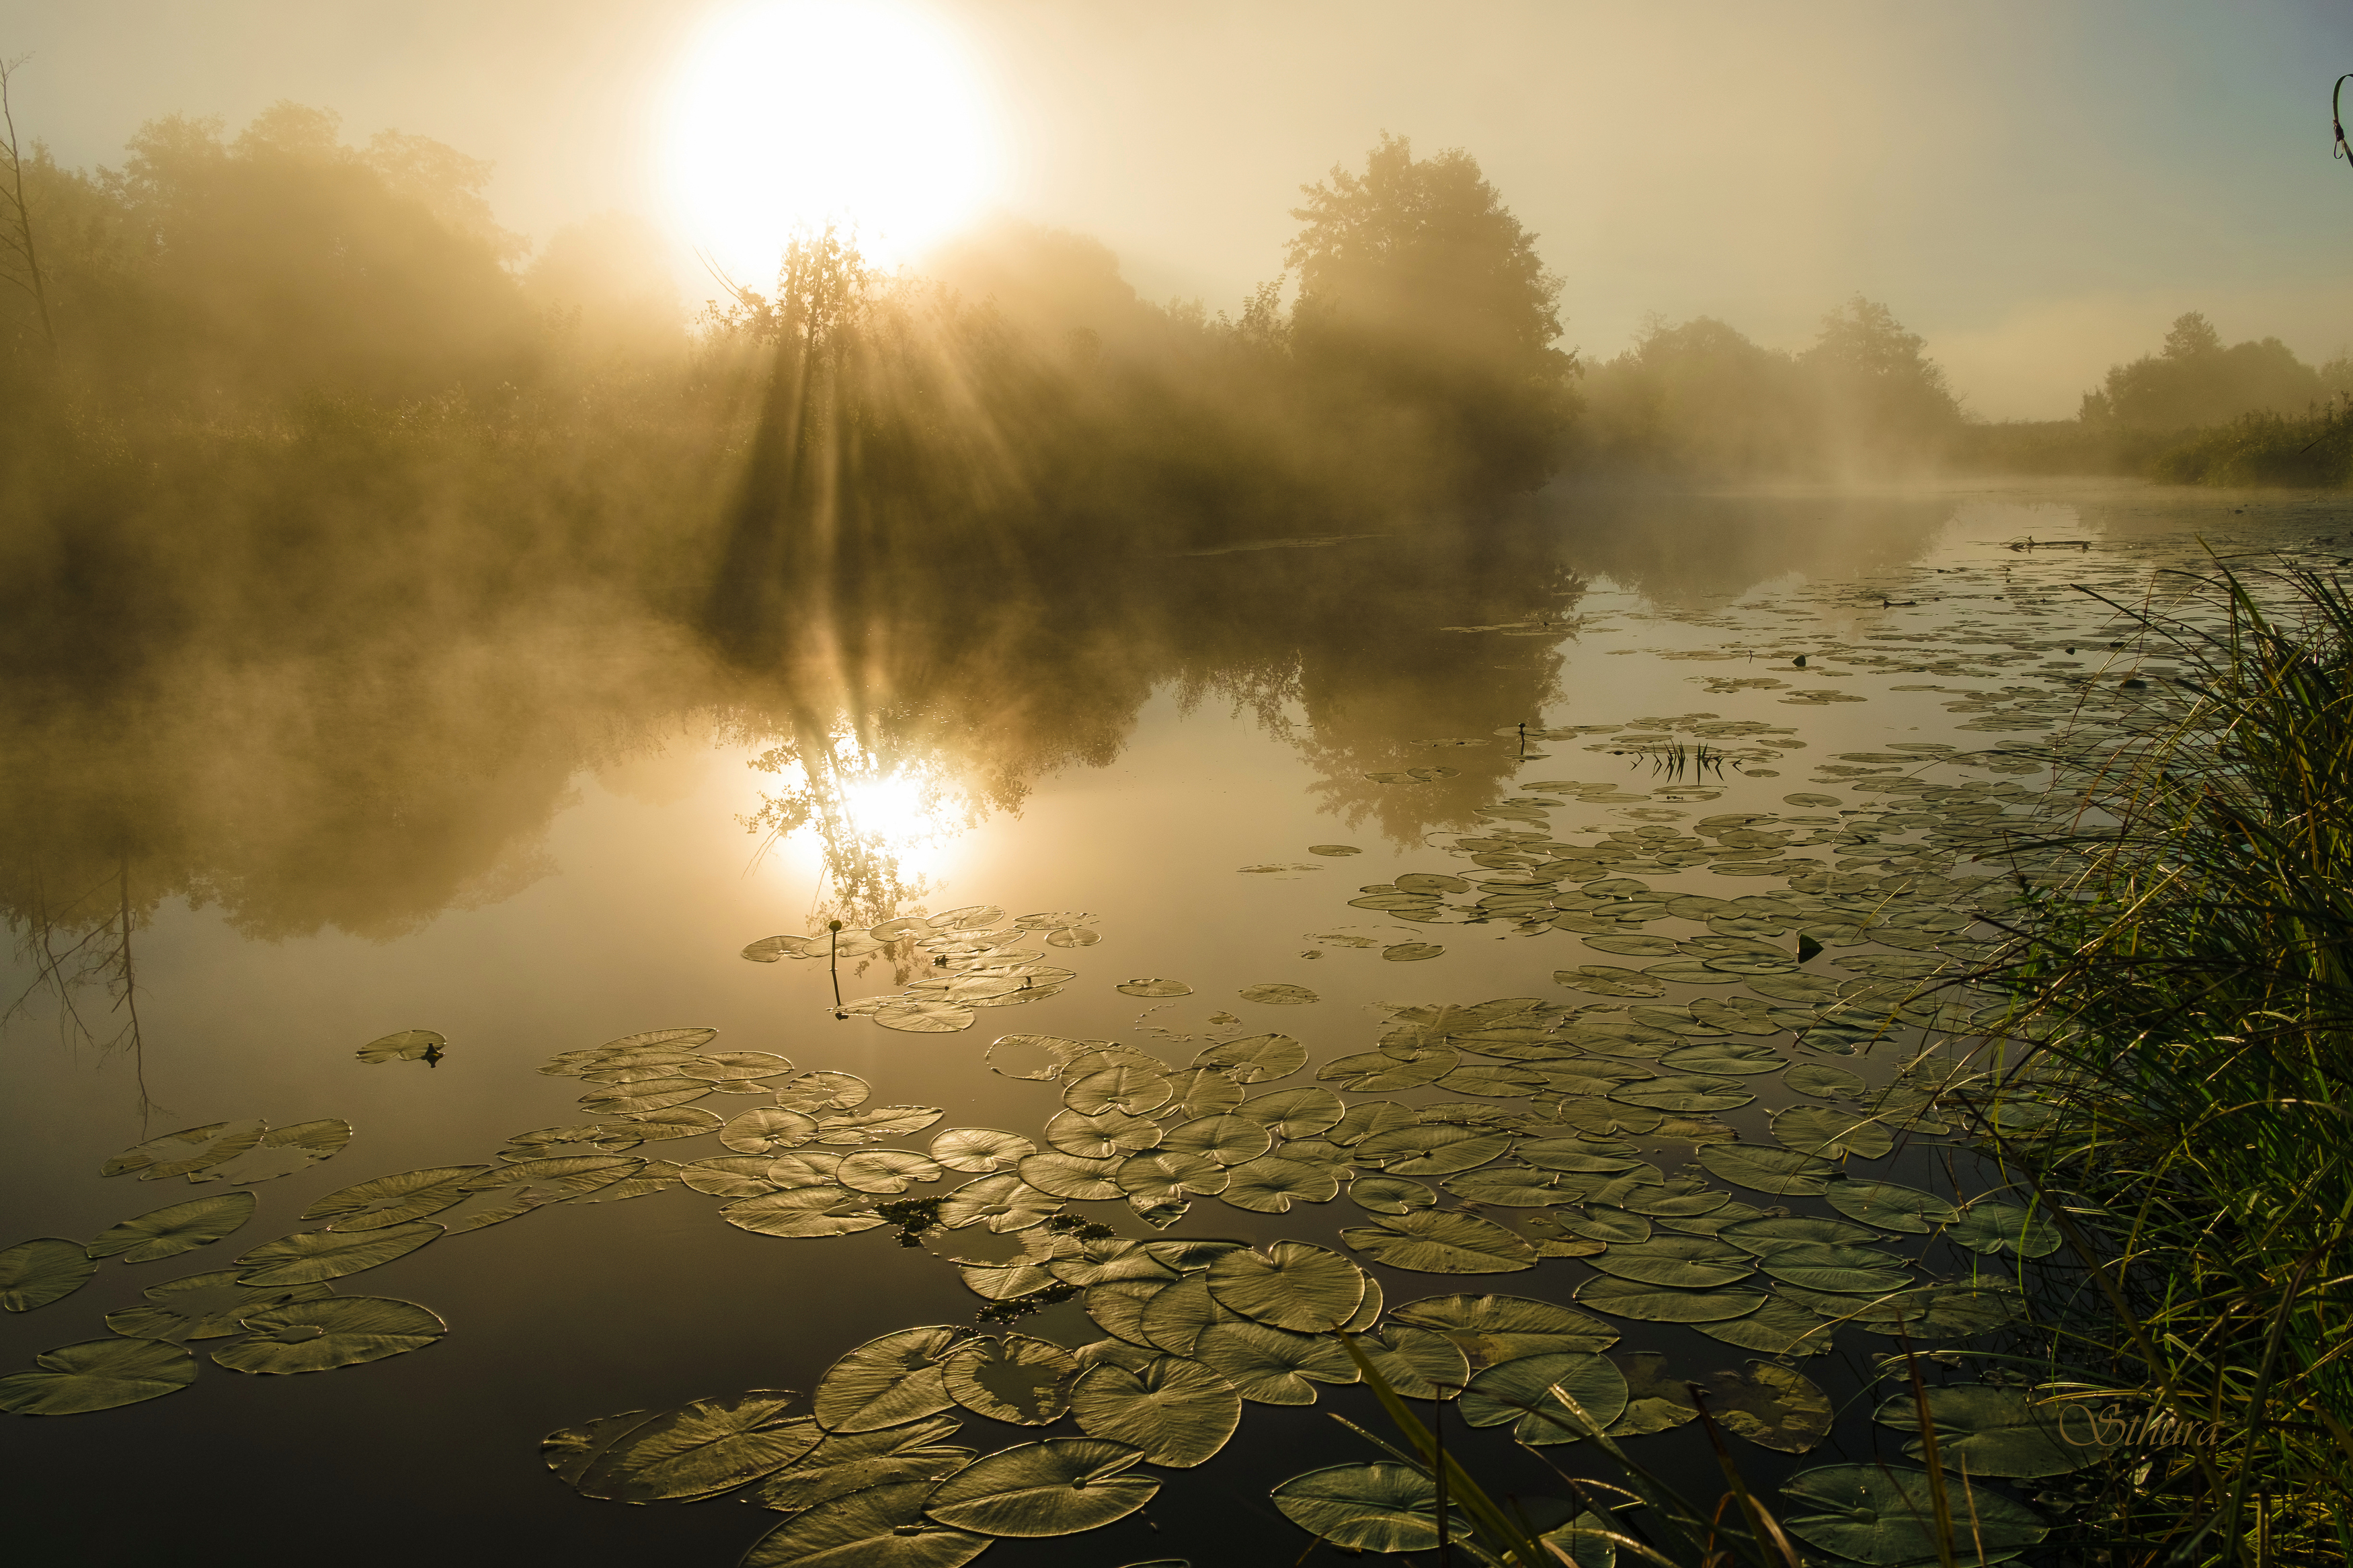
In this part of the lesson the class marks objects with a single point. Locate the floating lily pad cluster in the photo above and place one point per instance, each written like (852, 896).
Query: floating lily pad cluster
(967, 961)
(238, 1153)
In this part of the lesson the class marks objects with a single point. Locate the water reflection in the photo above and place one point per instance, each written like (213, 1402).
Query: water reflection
(370, 784)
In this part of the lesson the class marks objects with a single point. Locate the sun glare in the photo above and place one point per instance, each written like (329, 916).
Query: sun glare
(794, 113)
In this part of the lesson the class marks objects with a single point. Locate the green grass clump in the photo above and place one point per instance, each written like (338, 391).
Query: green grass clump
(2188, 990)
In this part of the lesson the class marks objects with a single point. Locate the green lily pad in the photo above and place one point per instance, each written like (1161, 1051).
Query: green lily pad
(980, 1150)
(44, 1269)
(1520, 1393)
(1391, 1194)
(1780, 1327)
(1258, 1059)
(888, 1380)
(1665, 1303)
(1490, 1329)
(1823, 1081)
(1128, 1089)
(1100, 1136)
(1609, 980)
(337, 1331)
(1683, 1092)
(1295, 1112)
(1890, 1207)
(1117, 1306)
(1072, 1177)
(1268, 1365)
(1290, 1286)
(1930, 1312)
(1174, 1319)
(1832, 1133)
(1680, 1262)
(1991, 1225)
(1018, 1380)
(1496, 1081)
(1784, 1172)
(1884, 1518)
(925, 1015)
(97, 1374)
(1771, 1406)
(1149, 987)
(879, 1526)
(1738, 1058)
(823, 1094)
(1431, 1149)
(804, 1212)
(1769, 1234)
(1057, 1487)
(1419, 1363)
(1844, 1270)
(1164, 1178)
(309, 1256)
(1442, 1241)
(403, 1045)
(1992, 1431)
(846, 1462)
(283, 1151)
(208, 1306)
(1656, 1400)
(1380, 1506)
(1178, 1412)
(187, 1152)
(1514, 1187)
(1036, 1057)
(405, 1196)
(885, 1171)
(1279, 995)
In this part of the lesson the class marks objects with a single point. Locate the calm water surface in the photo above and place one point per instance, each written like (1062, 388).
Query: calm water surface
(539, 843)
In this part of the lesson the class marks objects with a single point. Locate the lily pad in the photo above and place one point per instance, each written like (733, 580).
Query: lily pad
(1410, 952)
(1780, 1327)
(1018, 1380)
(1680, 1262)
(309, 1256)
(1128, 1088)
(1494, 1329)
(886, 1381)
(1256, 1060)
(1784, 1172)
(1990, 1431)
(1271, 1184)
(1004, 1202)
(1520, 1394)
(1771, 1406)
(1154, 988)
(1071, 1177)
(1664, 1303)
(1379, 1507)
(1442, 1241)
(1279, 995)
(1875, 1515)
(404, 1045)
(824, 1094)
(333, 1331)
(981, 1151)
(1432, 1149)
(846, 1462)
(1832, 1133)
(1228, 1138)
(1823, 1081)
(768, 1130)
(1177, 1411)
(1890, 1207)
(1609, 980)
(1991, 1225)
(1656, 1400)
(1036, 1057)
(396, 1199)
(97, 1374)
(885, 1171)
(1268, 1365)
(1685, 1092)
(879, 1526)
(1057, 1487)
(1291, 1284)
(186, 1152)
(924, 1016)
(208, 1306)
(1740, 1058)
(174, 1229)
(44, 1269)
(1391, 1194)
(804, 1212)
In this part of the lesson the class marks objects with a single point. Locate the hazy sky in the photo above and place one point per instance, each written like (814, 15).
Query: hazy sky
(2037, 187)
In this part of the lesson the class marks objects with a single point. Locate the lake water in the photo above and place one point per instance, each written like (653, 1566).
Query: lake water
(1196, 772)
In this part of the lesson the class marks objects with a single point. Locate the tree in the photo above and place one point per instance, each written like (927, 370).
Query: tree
(1421, 291)
(22, 265)
(2193, 380)
(1879, 396)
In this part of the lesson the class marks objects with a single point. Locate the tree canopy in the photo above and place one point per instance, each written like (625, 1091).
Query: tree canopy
(2193, 380)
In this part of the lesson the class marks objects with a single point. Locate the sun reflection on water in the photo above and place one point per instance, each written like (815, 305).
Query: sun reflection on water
(881, 829)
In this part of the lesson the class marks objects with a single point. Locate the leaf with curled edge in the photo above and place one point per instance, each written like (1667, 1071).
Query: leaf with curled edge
(208, 1306)
(1178, 1411)
(1379, 1507)
(44, 1269)
(309, 1256)
(1057, 1487)
(175, 1229)
(331, 1331)
(1442, 1241)
(1291, 1284)
(97, 1374)
(398, 1198)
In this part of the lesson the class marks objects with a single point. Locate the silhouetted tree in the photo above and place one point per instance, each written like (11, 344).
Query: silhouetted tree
(1421, 293)
(21, 263)
(1879, 396)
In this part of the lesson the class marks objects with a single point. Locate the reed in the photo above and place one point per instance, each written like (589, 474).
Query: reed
(2183, 1107)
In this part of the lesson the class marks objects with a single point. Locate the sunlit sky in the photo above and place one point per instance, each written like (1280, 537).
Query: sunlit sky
(2037, 187)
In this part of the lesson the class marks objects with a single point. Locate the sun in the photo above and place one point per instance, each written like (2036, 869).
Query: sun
(790, 114)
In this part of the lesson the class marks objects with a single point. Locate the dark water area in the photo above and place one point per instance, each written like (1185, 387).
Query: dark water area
(226, 871)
